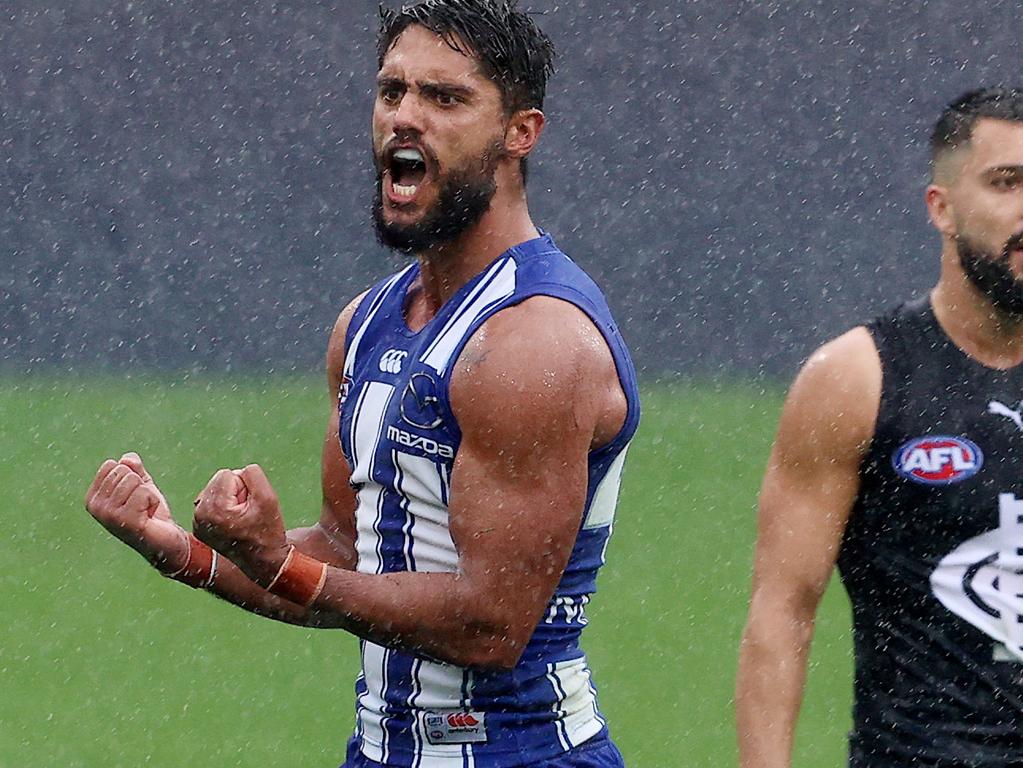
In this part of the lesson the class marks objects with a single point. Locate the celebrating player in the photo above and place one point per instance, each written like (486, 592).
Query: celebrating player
(898, 457)
(482, 405)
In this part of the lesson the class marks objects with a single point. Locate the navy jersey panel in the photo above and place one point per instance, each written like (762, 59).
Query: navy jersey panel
(400, 438)
(931, 558)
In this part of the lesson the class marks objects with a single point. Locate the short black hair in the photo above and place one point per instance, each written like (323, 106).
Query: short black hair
(954, 128)
(512, 50)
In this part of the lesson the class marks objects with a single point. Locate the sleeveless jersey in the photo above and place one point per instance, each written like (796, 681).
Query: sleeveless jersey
(932, 558)
(400, 438)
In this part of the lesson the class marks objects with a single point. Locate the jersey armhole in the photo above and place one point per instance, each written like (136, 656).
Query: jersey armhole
(612, 338)
(890, 397)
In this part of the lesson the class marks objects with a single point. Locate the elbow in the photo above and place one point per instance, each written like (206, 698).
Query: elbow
(779, 618)
(496, 658)
(491, 647)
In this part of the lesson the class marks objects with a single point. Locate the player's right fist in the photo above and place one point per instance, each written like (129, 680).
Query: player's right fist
(125, 501)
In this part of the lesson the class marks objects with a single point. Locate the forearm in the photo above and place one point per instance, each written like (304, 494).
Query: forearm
(772, 673)
(440, 615)
(231, 584)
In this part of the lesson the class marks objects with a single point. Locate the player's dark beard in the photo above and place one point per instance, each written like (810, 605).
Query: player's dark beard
(992, 274)
(464, 196)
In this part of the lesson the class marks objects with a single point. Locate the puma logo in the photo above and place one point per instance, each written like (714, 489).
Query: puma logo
(999, 409)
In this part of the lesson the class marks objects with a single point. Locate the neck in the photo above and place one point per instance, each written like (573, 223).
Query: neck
(445, 268)
(990, 336)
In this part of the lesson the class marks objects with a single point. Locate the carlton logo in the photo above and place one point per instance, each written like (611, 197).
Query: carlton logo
(938, 460)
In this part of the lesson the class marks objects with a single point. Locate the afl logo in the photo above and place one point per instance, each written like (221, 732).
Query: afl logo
(938, 460)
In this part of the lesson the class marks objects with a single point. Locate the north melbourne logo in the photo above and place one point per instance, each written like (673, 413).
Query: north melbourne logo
(981, 580)
(391, 360)
(419, 405)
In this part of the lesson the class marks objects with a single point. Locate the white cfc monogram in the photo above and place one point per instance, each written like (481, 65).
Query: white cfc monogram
(981, 580)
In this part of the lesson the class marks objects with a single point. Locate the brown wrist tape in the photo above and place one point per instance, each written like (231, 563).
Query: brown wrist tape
(300, 578)
(200, 569)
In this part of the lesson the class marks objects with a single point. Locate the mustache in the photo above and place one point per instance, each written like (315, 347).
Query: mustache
(1014, 242)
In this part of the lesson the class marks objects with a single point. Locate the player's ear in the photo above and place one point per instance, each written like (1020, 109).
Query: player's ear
(523, 131)
(940, 210)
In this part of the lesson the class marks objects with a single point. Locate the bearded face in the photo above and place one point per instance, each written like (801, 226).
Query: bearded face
(992, 273)
(463, 196)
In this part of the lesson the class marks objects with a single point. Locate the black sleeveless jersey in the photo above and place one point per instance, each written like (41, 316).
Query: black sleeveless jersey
(932, 558)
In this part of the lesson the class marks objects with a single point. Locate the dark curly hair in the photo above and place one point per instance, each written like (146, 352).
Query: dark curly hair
(512, 50)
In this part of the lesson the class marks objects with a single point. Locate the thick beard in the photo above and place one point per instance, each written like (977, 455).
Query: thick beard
(992, 275)
(464, 196)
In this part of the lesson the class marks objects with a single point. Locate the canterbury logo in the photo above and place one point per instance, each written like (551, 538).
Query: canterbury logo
(999, 409)
(391, 360)
(462, 720)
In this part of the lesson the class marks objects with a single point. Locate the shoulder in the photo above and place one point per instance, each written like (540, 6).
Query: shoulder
(541, 333)
(336, 346)
(543, 356)
(837, 392)
(847, 361)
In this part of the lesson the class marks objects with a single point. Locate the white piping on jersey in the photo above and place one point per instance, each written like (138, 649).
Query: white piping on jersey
(360, 679)
(383, 697)
(495, 286)
(576, 704)
(377, 301)
(418, 734)
(406, 528)
(559, 713)
(367, 426)
(372, 704)
(593, 699)
(421, 483)
(467, 684)
(605, 498)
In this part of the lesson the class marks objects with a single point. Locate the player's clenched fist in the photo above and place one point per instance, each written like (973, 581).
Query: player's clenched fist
(125, 501)
(238, 515)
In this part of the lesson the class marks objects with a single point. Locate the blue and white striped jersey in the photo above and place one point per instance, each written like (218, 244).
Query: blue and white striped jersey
(400, 439)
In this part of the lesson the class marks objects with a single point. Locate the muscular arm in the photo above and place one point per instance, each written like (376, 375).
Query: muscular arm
(533, 392)
(808, 491)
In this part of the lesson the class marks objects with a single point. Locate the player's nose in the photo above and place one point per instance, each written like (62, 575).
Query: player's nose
(410, 116)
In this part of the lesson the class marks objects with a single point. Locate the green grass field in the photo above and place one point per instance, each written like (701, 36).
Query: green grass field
(105, 663)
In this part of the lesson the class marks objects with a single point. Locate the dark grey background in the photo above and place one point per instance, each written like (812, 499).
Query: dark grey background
(185, 183)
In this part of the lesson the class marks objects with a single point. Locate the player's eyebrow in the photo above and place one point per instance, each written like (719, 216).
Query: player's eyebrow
(1006, 170)
(449, 89)
(429, 87)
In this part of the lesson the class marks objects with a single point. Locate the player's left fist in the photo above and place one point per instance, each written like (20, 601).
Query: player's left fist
(238, 514)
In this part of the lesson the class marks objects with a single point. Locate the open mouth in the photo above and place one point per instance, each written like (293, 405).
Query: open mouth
(407, 170)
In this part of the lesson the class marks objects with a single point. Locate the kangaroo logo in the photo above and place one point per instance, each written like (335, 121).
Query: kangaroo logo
(981, 580)
(420, 404)
(1000, 409)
